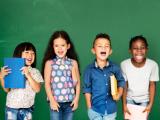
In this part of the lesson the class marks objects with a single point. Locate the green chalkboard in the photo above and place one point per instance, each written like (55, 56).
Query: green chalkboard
(36, 20)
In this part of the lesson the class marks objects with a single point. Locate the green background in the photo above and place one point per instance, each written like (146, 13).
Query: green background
(36, 20)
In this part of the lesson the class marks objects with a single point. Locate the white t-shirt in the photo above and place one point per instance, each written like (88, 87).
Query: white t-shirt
(139, 78)
(24, 98)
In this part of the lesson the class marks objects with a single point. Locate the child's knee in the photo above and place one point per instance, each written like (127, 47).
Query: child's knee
(28, 116)
(11, 115)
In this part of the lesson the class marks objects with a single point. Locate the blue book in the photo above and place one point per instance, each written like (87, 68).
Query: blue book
(15, 79)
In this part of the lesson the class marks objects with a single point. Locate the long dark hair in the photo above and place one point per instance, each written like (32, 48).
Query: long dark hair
(50, 53)
(23, 47)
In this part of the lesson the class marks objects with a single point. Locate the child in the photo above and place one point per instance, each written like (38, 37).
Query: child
(100, 104)
(19, 102)
(140, 74)
(61, 74)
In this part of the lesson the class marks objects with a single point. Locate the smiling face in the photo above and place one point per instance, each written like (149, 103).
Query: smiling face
(29, 56)
(138, 50)
(60, 47)
(102, 49)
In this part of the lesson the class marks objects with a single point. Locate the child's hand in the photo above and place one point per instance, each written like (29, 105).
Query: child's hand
(116, 97)
(147, 109)
(25, 71)
(4, 71)
(74, 104)
(125, 110)
(54, 105)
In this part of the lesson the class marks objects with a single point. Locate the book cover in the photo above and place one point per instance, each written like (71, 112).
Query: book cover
(113, 82)
(15, 79)
(136, 112)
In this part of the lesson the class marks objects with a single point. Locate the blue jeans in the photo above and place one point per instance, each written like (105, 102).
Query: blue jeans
(18, 114)
(65, 112)
(93, 115)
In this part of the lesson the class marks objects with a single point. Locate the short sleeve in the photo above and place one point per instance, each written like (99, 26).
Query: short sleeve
(154, 73)
(35, 73)
(123, 70)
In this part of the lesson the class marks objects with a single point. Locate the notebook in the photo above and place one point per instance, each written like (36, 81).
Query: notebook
(136, 112)
(15, 79)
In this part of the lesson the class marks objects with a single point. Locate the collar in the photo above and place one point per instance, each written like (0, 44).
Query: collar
(96, 65)
(60, 59)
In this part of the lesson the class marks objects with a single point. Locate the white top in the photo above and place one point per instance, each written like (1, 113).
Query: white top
(24, 98)
(139, 78)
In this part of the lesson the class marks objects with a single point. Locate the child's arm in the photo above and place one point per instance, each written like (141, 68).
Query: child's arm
(119, 94)
(120, 83)
(87, 85)
(47, 77)
(115, 91)
(88, 100)
(35, 85)
(76, 77)
(152, 88)
(125, 109)
(3, 73)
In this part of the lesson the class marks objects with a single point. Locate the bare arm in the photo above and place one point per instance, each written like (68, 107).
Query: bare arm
(47, 77)
(76, 77)
(35, 85)
(152, 88)
(124, 95)
(125, 109)
(118, 95)
(88, 100)
(120, 92)
(2, 84)
(3, 73)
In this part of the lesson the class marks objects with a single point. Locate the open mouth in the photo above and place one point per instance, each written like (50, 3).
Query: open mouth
(29, 60)
(103, 53)
(60, 52)
(139, 57)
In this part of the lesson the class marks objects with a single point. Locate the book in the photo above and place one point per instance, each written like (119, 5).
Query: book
(15, 79)
(113, 82)
(136, 112)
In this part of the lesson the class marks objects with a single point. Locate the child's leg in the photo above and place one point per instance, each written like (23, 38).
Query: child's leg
(110, 116)
(136, 110)
(25, 113)
(54, 115)
(93, 115)
(67, 113)
(11, 114)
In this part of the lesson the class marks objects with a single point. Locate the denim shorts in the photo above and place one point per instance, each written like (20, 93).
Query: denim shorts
(93, 115)
(65, 112)
(18, 114)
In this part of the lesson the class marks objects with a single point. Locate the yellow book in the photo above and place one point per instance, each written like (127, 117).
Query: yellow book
(113, 81)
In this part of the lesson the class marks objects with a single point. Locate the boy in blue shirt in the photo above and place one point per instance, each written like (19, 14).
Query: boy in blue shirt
(100, 103)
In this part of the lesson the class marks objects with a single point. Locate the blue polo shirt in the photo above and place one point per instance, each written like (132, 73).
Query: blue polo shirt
(97, 83)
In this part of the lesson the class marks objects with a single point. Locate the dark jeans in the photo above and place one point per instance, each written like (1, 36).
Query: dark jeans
(65, 112)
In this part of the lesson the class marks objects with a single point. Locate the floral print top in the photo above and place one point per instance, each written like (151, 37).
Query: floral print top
(62, 84)
(24, 98)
